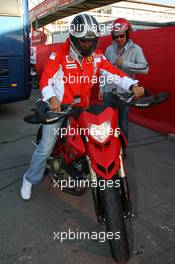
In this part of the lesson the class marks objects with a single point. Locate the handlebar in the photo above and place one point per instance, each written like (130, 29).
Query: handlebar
(43, 115)
(143, 102)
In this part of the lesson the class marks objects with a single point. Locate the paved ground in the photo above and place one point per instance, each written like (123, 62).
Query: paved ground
(27, 228)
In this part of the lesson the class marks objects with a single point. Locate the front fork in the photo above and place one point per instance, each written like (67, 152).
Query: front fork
(124, 193)
(124, 188)
(96, 194)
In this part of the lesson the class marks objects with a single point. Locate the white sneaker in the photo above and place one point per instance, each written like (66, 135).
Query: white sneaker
(26, 189)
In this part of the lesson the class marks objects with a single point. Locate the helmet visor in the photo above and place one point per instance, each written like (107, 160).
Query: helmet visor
(87, 45)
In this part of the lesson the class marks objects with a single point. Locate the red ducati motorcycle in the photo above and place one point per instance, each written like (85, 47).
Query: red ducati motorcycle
(91, 153)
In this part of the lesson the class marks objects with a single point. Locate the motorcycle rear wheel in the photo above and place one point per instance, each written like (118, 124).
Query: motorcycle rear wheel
(115, 223)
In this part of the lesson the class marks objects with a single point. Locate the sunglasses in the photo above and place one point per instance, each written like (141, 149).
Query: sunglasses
(121, 36)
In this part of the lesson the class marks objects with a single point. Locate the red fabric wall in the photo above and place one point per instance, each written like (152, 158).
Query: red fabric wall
(158, 45)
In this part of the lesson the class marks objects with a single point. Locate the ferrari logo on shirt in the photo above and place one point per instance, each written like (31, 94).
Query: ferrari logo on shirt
(90, 59)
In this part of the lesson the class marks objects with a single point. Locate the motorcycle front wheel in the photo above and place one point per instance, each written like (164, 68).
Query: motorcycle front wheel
(115, 225)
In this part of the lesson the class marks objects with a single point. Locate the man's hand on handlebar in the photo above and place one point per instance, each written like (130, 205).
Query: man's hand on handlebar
(54, 104)
(138, 91)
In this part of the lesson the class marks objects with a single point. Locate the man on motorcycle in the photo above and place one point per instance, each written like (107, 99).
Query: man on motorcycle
(67, 79)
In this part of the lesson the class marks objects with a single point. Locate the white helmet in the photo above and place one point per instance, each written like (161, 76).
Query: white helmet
(84, 27)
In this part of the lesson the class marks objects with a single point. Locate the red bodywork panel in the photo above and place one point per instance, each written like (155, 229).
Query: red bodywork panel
(104, 157)
(71, 146)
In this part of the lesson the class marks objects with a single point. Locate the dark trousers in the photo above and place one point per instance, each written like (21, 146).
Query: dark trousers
(123, 112)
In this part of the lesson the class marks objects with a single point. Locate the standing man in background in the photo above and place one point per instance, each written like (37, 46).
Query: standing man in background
(126, 56)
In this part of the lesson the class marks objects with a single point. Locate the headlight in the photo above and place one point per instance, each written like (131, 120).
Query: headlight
(101, 132)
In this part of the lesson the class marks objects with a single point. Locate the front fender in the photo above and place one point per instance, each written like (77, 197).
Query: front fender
(104, 157)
